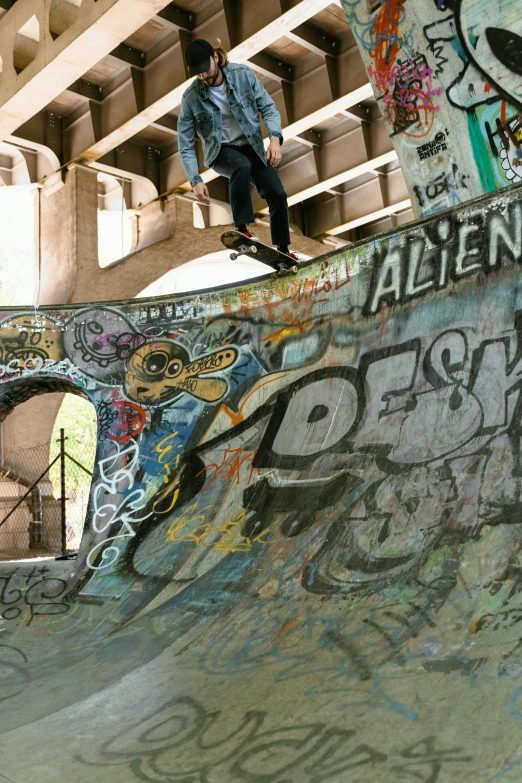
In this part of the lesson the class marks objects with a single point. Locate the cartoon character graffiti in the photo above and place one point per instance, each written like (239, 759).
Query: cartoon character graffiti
(162, 371)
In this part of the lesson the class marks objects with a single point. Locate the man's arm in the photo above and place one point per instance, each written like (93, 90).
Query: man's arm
(267, 108)
(186, 136)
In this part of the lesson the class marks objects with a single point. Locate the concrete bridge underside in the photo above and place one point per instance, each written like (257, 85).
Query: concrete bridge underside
(100, 84)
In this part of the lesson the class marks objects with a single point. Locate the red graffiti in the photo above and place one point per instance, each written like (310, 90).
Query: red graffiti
(129, 420)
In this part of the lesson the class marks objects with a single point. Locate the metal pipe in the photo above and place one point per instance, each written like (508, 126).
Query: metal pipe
(63, 500)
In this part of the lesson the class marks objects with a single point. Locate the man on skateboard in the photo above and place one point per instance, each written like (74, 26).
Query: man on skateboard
(222, 106)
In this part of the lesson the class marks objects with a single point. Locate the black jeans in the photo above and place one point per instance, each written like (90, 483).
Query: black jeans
(242, 165)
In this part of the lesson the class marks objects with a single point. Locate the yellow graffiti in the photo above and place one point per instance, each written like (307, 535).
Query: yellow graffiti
(203, 533)
(163, 450)
(188, 517)
(233, 541)
(262, 537)
(165, 494)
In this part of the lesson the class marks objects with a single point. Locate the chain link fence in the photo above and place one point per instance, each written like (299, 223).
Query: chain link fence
(44, 492)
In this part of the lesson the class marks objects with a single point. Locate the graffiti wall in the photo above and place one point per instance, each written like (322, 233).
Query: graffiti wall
(309, 486)
(447, 77)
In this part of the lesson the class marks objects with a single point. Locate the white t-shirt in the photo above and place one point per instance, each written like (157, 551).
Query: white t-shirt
(232, 133)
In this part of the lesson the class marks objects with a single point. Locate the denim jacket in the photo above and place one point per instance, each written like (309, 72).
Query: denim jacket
(199, 114)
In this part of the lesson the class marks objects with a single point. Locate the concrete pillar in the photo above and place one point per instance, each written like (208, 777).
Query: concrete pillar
(451, 106)
(153, 223)
(27, 432)
(26, 438)
(68, 231)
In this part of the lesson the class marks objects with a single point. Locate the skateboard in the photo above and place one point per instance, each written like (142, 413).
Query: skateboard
(240, 245)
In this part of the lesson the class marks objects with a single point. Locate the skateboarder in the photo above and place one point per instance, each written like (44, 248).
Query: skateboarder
(222, 106)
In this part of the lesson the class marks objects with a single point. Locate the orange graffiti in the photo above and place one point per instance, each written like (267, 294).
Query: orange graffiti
(385, 33)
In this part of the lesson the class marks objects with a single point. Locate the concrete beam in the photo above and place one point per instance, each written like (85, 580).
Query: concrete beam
(314, 40)
(133, 274)
(46, 160)
(331, 108)
(272, 68)
(370, 218)
(61, 53)
(357, 113)
(68, 231)
(337, 179)
(333, 83)
(176, 17)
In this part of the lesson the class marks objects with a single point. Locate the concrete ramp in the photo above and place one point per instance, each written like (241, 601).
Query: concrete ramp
(301, 558)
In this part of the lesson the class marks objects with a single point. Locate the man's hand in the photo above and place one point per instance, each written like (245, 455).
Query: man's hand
(201, 191)
(274, 152)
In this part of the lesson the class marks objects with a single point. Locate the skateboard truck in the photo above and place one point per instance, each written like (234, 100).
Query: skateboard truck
(246, 249)
(243, 250)
(284, 268)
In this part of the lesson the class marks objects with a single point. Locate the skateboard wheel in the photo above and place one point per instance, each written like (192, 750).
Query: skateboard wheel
(294, 269)
(233, 256)
(253, 249)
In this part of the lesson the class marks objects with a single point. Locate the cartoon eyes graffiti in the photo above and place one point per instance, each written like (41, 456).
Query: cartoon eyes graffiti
(160, 372)
(159, 363)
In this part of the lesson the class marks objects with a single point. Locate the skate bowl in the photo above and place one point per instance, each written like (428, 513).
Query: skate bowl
(301, 556)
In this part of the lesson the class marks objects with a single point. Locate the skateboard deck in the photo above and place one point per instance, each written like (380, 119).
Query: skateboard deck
(240, 245)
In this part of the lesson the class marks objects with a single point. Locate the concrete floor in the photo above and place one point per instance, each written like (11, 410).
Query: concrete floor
(271, 685)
